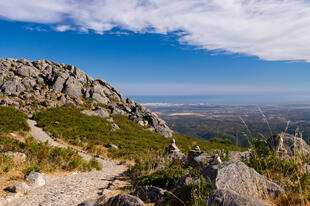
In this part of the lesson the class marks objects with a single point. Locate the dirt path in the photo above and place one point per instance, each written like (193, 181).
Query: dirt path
(72, 189)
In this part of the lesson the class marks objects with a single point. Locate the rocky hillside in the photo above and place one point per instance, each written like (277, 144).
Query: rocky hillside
(33, 85)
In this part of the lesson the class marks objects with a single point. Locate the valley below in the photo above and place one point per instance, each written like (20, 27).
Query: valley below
(237, 123)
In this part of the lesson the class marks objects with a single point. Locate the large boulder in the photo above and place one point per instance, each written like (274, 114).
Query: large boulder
(164, 130)
(125, 200)
(97, 112)
(228, 197)
(73, 87)
(238, 177)
(13, 86)
(26, 71)
(287, 145)
(36, 179)
(59, 81)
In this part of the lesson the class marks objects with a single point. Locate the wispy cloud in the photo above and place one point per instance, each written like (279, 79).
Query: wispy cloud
(269, 29)
(63, 28)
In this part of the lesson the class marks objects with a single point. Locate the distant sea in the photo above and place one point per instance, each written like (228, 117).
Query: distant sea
(221, 99)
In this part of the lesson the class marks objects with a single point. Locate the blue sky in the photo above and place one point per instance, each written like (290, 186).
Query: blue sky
(169, 58)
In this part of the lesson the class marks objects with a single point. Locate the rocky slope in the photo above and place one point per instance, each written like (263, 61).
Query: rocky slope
(34, 85)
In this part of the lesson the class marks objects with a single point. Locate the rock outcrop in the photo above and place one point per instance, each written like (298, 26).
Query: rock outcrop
(230, 198)
(287, 145)
(236, 176)
(33, 85)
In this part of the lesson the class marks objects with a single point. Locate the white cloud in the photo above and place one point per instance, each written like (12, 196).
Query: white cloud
(269, 29)
(63, 28)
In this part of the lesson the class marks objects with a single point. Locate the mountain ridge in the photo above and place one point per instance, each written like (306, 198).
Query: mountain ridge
(34, 85)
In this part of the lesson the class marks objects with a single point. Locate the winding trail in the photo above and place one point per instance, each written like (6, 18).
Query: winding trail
(69, 190)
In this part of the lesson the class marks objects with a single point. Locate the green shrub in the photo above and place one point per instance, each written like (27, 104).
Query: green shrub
(43, 156)
(164, 178)
(6, 169)
(93, 163)
(28, 170)
(222, 141)
(12, 120)
(305, 184)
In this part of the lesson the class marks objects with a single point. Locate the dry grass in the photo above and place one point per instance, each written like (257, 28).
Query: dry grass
(15, 175)
(291, 198)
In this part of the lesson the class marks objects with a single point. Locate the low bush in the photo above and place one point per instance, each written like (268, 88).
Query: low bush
(12, 120)
(222, 141)
(42, 157)
(28, 170)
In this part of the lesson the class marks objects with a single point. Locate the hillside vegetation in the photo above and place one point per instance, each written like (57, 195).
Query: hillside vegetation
(12, 120)
(39, 156)
(134, 141)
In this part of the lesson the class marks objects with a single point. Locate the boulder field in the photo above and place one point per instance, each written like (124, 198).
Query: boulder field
(33, 85)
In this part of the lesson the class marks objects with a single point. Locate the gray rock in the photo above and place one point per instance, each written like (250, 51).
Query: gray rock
(131, 102)
(110, 145)
(26, 71)
(125, 200)
(73, 87)
(86, 203)
(59, 82)
(13, 86)
(99, 98)
(149, 194)
(236, 176)
(114, 127)
(115, 110)
(287, 145)
(18, 188)
(16, 155)
(230, 198)
(6, 102)
(235, 155)
(36, 179)
(1, 81)
(163, 130)
(28, 82)
(187, 180)
(97, 112)
(198, 159)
